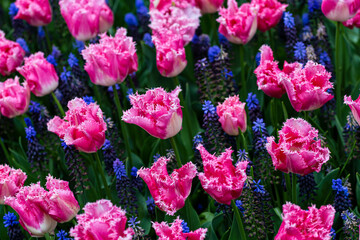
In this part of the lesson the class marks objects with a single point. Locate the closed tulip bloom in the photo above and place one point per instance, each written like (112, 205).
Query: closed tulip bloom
(354, 107)
(299, 149)
(270, 13)
(102, 220)
(353, 22)
(83, 126)
(220, 179)
(11, 180)
(11, 55)
(238, 24)
(232, 115)
(340, 10)
(209, 6)
(111, 60)
(268, 74)
(31, 203)
(34, 12)
(311, 224)
(40, 75)
(175, 231)
(14, 98)
(307, 88)
(86, 18)
(157, 112)
(63, 204)
(169, 192)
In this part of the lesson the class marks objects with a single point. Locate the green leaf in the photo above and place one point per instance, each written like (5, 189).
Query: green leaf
(324, 192)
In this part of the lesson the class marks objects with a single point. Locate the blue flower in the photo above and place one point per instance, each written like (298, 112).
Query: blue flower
(197, 139)
(129, 92)
(88, 99)
(305, 19)
(51, 60)
(148, 40)
(150, 203)
(259, 188)
(156, 157)
(65, 75)
(34, 107)
(133, 223)
(185, 227)
(208, 107)
(134, 171)
(213, 52)
(324, 58)
(79, 45)
(258, 58)
(300, 51)
(239, 205)
(222, 39)
(251, 101)
(259, 125)
(62, 235)
(110, 89)
(30, 133)
(242, 155)
(28, 122)
(139, 3)
(142, 11)
(72, 60)
(106, 145)
(289, 20)
(10, 220)
(41, 32)
(314, 5)
(119, 169)
(13, 10)
(23, 44)
(131, 20)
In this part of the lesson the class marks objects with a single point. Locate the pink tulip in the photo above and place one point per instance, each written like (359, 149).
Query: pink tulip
(312, 224)
(353, 22)
(238, 24)
(340, 10)
(232, 115)
(84, 126)
(267, 74)
(63, 204)
(175, 21)
(11, 180)
(169, 192)
(209, 6)
(270, 13)
(289, 68)
(157, 112)
(11, 55)
(86, 18)
(307, 87)
(175, 231)
(14, 98)
(299, 150)
(164, 5)
(220, 179)
(112, 59)
(39, 74)
(102, 220)
(32, 205)
(35, 12)
(354, 107)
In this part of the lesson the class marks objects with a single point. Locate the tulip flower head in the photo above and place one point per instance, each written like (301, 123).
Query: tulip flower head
(35, 12)
(354, 107)
(209, 6)
(11, 55)
(340, 10)
(11, 180)
(270, 13)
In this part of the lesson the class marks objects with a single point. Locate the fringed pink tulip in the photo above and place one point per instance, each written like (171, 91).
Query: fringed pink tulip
(63, 204)
(102, 220)
(238, 24)
(14, 98)
(35, 12)
(299, 150)
(32, 205)
(175, 231)
(83, 126)
(157, 112)
(354, 107)
(175, 21)
(11, 55)
(312, 224)
(220, 179)
(86, 18)
(40, 75)
(209, 6)
(270, 13)
(267, 74)
(340, 10)
(232, 115)
(307, 88)
(11, 180)
(164, 5)
(169, 192)
(112, 59)
(353, 22)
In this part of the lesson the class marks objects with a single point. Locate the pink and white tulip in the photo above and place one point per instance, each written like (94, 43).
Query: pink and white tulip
(157, 112)
(35, 12)
(103, 221)
(220, 179)
(169, 192)
(267, 74)
(11, 180)
(175, 231)
(270, 13)
(111, 60)
(354, 107)
(86, 18)
(164, 5)
(83, 126)
(238, 24)
(11, 55)
(40, 75)
(209, 6)
(353, 22)
(14, 98)
(299, 150)
(340, 10)
(312, 224)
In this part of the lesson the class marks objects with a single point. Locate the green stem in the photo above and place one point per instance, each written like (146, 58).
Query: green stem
(102, 174)
(348, 158)
(132, 83)
(293, 188)
(48, 237)
(58, 104)
(278, 200)
(243, 141)
(7, 156)
(242, 65)
(338, 70)
(238, 218)
(123, 129)
(288, 183)
(47, 40)
(284, 111)
(177, 155)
